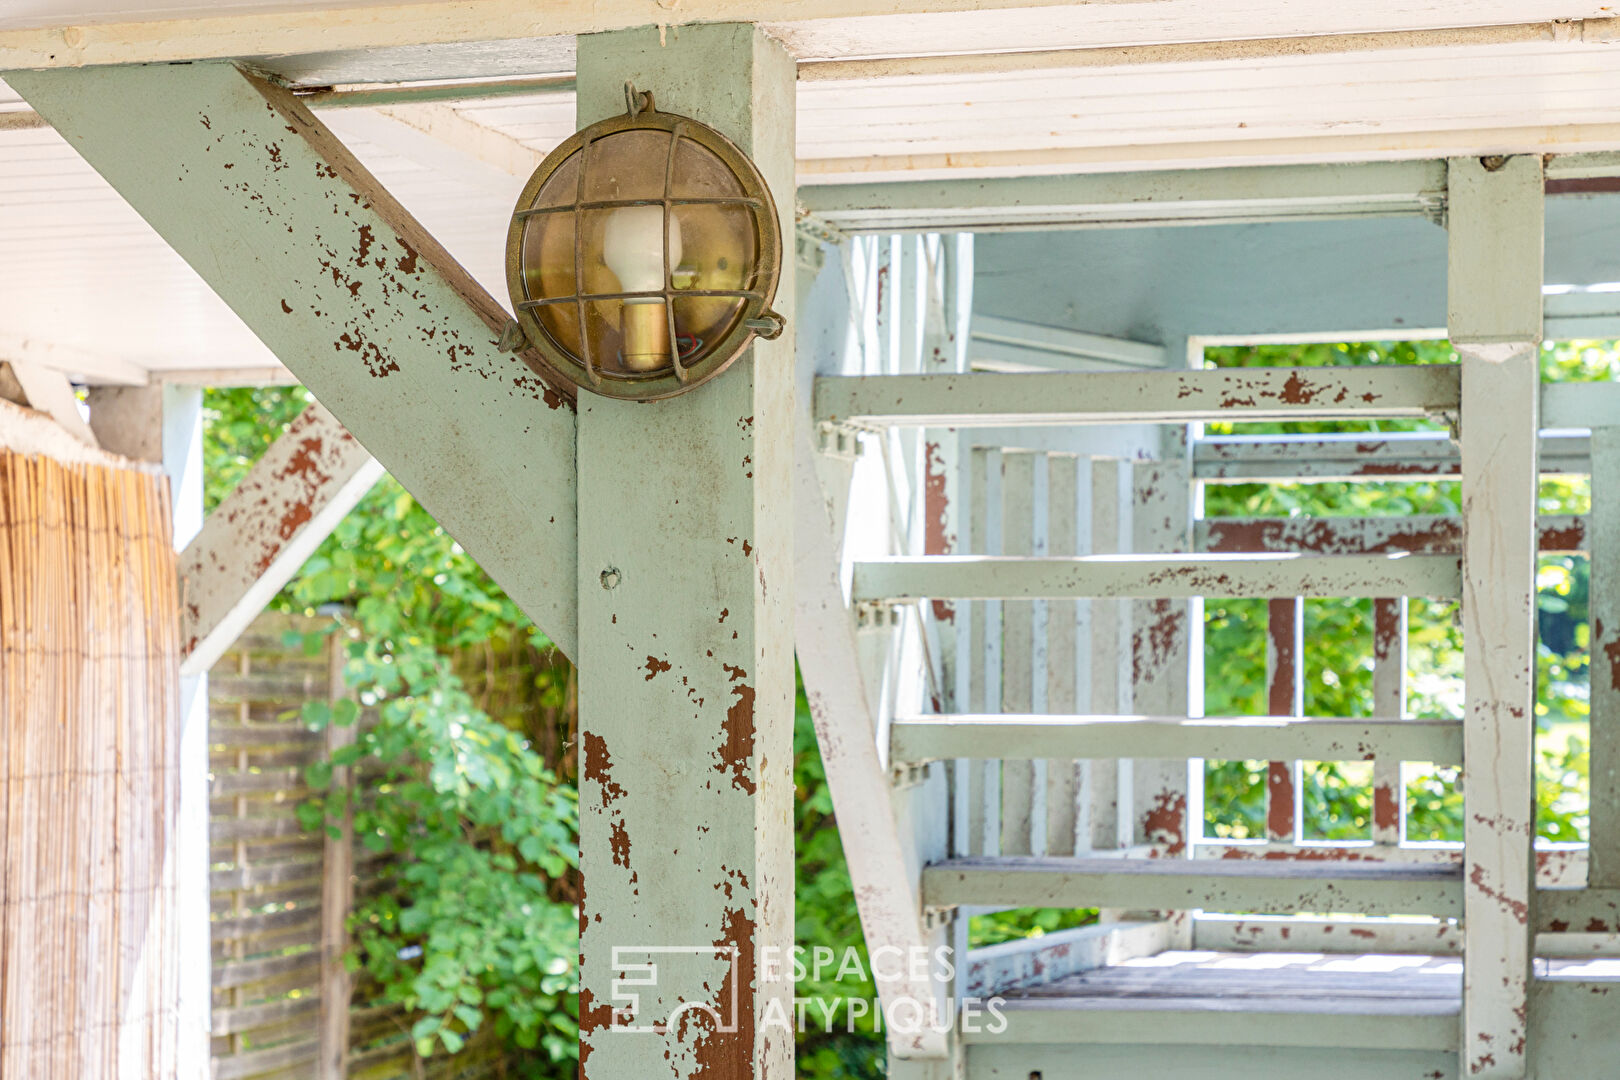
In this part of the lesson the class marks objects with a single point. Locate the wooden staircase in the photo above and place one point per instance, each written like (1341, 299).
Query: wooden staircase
(998, 635)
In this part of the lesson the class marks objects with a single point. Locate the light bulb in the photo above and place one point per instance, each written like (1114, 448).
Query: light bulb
(633, 248)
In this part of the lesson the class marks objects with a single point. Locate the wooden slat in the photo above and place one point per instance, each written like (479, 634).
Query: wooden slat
(1275, 1020)
(1178, 396)
(1101, 827)
(1027, 737)
(239, 1066)
(1177, 884)
(1168, 576)
(1349, 458)
(249, 1017)
(1062, 656)
(1389, 699)
(1424, 534)
(1604, 623)
(245, 972)
(248, 877)
(1285, 696)
(1018, 779)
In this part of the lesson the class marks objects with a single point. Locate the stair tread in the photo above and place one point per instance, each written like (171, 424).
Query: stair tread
(1201, 868)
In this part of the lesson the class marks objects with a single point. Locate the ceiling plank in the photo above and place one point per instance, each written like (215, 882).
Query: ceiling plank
(352, 294)
(426, 38)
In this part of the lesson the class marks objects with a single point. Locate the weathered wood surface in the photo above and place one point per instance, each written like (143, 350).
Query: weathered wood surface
(1367, 456)
(987, 399)
(685, 656)
(1494, 313)
(1604, 612)
(1178, 884)
(1420, 534)
(1030, 737)
(260, 534)
(354, 296)
(1165, 576)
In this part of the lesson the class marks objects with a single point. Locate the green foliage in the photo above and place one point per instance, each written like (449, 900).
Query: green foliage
(471, 926)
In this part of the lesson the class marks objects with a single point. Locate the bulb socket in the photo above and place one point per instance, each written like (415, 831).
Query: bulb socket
(646, 336)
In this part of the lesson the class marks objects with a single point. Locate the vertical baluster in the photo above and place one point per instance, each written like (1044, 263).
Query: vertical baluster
(982, 791)
(1100, 822)
(1285, 696)
(1603, 548)
(1062, 491)
(1389, 699)
(1018, 646)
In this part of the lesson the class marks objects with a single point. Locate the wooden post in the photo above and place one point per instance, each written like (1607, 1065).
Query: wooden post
(1389, 699)
(1603, 548)
(1062, 654)
(685, 590)
(337, 888)
(1494, 276)
(1100, 826)
(1018, 499)
(1285, 696)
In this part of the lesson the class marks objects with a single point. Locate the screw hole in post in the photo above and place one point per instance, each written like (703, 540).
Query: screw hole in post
(610, 578)
(1035, 1075)
(1493, 162)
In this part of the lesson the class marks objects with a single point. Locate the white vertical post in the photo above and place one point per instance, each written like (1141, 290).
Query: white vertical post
(163, 424)
(1102, 827)
(1160, 516)
(1494, 273)
(1389, 699)
(686, 642)
(1285, 696)
(1062, 652)
(1017, 650)
(1603, 548)
(183, 462)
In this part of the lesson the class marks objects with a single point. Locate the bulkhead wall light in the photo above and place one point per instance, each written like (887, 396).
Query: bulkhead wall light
(644, 254)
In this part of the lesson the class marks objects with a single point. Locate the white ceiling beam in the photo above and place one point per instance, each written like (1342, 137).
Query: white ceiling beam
(997, 344)
(94, 369)
(826, 29)
(50, 392)
(1172, 197)
(258, 537)
(352, 294)
(822, 29)
(993, 399)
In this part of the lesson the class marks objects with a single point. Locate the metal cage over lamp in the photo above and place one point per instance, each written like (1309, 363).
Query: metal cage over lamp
(644, 254)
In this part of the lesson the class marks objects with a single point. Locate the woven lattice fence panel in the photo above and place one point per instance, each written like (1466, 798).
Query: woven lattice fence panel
(89, 729)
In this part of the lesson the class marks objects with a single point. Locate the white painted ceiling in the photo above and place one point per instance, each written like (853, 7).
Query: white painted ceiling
(80, 273)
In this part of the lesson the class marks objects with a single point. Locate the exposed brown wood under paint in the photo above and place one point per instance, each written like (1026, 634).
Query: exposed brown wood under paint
(1284, 697)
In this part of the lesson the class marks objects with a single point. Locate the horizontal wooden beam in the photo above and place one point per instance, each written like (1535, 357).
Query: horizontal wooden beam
(997, 344)
(257, 538)
(916, 739)
(1580, 911)
(1115, 199)
(1167, 397)
(1275, 888)
(983, 577)
(1352, 457)
(1393, 1022)
(1427, 534)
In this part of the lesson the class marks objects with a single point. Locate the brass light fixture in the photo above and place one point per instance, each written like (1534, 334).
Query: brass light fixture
(644, 254)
